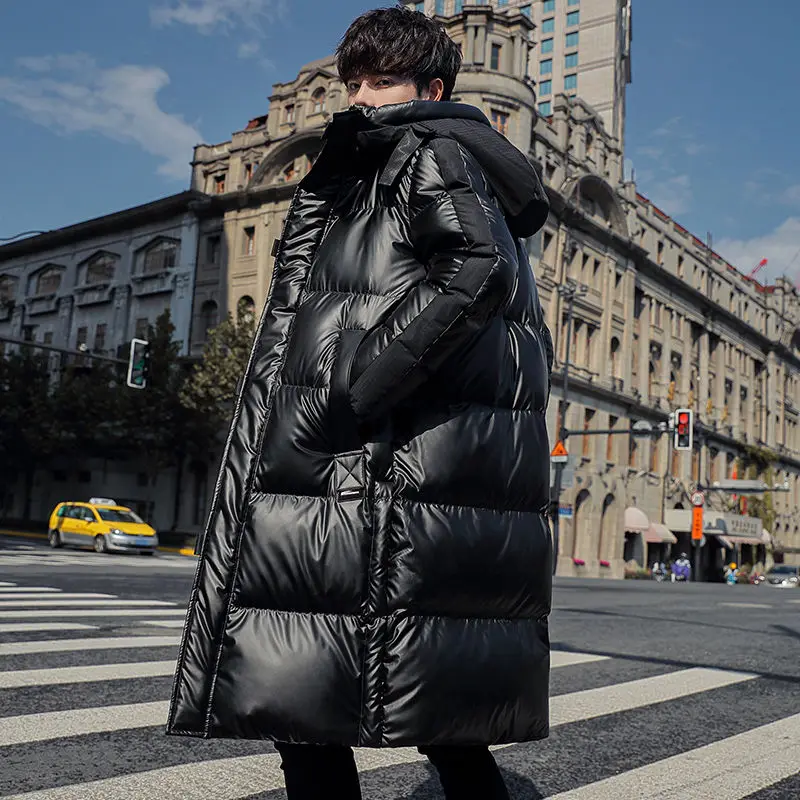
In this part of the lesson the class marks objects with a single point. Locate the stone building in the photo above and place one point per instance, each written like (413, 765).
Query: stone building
(94, 286)
(664, 321)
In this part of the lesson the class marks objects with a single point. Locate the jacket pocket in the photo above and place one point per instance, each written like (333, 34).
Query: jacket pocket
(342, 420)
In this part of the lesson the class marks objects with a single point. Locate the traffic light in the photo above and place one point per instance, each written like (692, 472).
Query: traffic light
(138, 363)
(684, 429)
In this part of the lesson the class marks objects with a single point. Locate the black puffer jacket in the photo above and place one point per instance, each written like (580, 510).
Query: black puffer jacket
(376, 567)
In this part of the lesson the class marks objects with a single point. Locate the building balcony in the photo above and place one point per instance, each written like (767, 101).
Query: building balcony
(93, 294)
(42, 304)
(155, 283)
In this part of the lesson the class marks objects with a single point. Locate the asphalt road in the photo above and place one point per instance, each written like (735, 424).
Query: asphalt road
(658, 690)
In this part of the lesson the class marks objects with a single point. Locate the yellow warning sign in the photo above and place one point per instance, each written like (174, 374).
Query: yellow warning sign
(559, 450)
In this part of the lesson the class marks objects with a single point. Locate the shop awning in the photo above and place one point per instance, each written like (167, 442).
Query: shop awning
(659, 534)
(636, 520)
(733, 541)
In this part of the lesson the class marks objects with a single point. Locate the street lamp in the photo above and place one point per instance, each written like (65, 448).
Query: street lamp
(568, 291)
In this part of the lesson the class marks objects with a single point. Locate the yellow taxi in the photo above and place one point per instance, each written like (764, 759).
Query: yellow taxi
(102, 524)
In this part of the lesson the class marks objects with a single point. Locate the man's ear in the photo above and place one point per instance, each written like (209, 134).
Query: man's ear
(434, 91)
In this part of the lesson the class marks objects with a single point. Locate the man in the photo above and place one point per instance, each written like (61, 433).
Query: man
(376, 566)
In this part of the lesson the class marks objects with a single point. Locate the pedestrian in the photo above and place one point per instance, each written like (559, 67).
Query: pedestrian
(376, 568)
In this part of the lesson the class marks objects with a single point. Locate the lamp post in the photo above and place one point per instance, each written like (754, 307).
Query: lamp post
(568, 291)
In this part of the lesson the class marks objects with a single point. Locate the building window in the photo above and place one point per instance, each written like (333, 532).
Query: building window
(7, 287)
(100, 337)
(573, 18)
(245, 309)
(500, 122)
(81, 335)
(48, 281)
(545, 88)
(547, 45)
(612, 424)
(549, 5)
(248, 172)
(208, 317)
(572, 39)
(571, 61)
(289, 173)
(573, 2)
(494, 58)
(420, 7)
(660, 253)
(142, 328)
(319, 95)
(526, 10)
(545, 109)
(213, 249)
(546, 67)
(654, 456)
(219, 184)
(160, 257)
(458, 6)
(289, 114)
(440, 7)
(249, 242)
(570, 82)
(100, 269)
(588, 415)
(680, 266)
(549, 25)
(48, 338)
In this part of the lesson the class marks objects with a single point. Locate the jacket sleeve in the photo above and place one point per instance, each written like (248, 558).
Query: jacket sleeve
(453, 231)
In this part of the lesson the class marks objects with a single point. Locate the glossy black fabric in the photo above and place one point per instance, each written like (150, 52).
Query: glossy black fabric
(376, 567)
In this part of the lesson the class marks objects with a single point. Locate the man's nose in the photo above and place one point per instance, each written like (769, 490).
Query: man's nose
(363, 96)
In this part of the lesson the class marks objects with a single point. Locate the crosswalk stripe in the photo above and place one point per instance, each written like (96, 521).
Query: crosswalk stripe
(14, 679)
(32, 627)
(12, 590)
(29, 728)
(164, 623)
(567, 708)
(69, 645)
(561, 658)
(732, 768)
(6, 583)
(24, 599)
(109, 600)
(94, 612)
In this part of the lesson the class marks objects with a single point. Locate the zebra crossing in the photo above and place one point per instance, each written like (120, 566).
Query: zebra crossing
(37, 555)
(88, 707)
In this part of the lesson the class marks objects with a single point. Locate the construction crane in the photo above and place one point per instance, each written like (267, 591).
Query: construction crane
(757, 268)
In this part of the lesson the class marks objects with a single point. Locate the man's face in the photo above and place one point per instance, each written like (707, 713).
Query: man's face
(383, 90)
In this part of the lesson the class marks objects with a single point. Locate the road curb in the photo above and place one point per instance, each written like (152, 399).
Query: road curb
(182, 551)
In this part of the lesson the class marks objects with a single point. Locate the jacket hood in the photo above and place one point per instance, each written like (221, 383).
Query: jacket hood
(512, 177)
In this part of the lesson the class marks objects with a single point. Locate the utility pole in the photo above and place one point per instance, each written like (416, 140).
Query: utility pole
(568, 291)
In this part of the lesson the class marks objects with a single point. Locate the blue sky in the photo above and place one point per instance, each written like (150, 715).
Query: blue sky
(101, 103)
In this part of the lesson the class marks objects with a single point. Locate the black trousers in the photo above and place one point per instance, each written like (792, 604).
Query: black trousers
(320, 772)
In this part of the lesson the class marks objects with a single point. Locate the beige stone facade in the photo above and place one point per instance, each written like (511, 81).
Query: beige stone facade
(665, 322)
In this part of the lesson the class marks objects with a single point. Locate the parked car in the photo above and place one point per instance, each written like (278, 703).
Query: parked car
(784, 575)
(102, 525)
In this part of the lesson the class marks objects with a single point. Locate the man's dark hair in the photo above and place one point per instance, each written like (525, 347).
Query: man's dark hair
(399, 41)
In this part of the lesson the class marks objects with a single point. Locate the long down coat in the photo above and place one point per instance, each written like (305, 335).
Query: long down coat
(376, 568)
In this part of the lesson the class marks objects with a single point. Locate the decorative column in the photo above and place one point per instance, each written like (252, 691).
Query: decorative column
(644, 349)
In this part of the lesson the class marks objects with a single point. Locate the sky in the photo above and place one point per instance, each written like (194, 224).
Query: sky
(101, 103)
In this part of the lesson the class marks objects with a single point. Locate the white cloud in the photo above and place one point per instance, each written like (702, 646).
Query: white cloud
(673, 195)
(781, 246)
(650, 152)
(72, 94)
(208, 16)
(791, 195)
(248, 49)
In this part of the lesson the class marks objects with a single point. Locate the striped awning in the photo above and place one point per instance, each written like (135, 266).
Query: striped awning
(659, 534)
(636, 520)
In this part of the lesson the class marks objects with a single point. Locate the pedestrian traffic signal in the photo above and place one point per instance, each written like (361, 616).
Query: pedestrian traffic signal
(684, 429)
(138, 364)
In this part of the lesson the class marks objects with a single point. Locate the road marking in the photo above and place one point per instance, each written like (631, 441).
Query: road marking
(560, 658)
(79, 722)
(31, 627)
(592, 703)
(164, 623)
(6, 583)
(746, 605)
(110, 600)
(733, 768)
(68, 645)
(10, 590)
(14, 679)
(23, 599)
(94, 612)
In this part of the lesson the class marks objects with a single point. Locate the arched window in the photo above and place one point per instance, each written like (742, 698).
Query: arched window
(160, 256)
(48, 281)
(289, 173)
(614, 356)
(100, 268)
(209, 316)
(245, 309)
(319, 98)
(7, 289)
